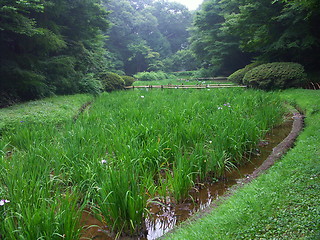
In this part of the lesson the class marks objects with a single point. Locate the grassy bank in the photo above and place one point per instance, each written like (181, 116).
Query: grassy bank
(282, 204)
(49, 110)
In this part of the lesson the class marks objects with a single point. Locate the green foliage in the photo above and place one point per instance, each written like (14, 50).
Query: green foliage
(237, 76)
(205, 72)
(227, 35)
(111, 81)
(281, 204)
(144, 34)
(128, 80)
(48, 46)
(90, 84)
(122, 199)
(51, 110)
(7, 99)
(182, 60)
(184, 73)
(174, 19)
(277, 75)
(147, 144)
(151, 76)
(217, 51)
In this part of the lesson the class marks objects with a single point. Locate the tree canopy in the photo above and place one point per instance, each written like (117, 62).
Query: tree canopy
(145, 32)
(228, 34)
(47, 46)
(61, 46)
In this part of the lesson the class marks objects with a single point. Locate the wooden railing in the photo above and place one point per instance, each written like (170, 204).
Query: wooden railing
(314, 86)
(197, 86)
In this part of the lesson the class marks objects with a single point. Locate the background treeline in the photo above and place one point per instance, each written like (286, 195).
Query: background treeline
(149, 35)
(50, 46)
(65, 46)
(227, 35)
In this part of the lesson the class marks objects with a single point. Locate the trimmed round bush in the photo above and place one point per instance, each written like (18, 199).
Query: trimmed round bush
(237, 76)
(111, 81)
(128, 80)
(276, 75)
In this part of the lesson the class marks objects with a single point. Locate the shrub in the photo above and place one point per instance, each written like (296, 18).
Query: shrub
(111, 81)
(8, 98)
(204, 72)
(89, 84)
(277, 75)
(128, 80)
(237, 76)
(151, 76)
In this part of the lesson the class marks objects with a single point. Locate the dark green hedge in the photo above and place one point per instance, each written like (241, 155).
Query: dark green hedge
(128, 80)
(111, 81)
(276, 75)
(237, 76)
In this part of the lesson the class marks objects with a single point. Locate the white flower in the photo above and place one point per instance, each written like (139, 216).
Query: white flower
(219, 108)
(142, 96)
(103, 161)
(210, 142)
(3, 201)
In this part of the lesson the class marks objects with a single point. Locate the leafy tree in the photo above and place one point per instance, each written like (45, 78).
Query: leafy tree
(227, 34)
(183, 60)
(48, 46)
(144, 32)
(141, 56)
(125, 41)
(174, 20)
(218, 51)
(277, 30)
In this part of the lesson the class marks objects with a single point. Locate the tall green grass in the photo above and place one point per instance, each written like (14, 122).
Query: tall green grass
(129, 149)
(281, 204)
(51, 110)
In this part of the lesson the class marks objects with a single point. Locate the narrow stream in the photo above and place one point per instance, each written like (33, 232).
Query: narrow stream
(163, 218)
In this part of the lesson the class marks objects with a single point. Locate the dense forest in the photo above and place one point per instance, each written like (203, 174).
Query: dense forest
(64, 46)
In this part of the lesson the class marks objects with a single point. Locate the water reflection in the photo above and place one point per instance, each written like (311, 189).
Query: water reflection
(164, 217)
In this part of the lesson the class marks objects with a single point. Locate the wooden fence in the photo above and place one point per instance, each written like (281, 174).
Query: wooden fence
(197, 86)
(314, 86)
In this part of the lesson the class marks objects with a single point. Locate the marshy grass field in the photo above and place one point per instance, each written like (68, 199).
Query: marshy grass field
(124, 151)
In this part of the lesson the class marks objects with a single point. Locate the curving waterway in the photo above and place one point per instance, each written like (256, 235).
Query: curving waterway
(164, 218)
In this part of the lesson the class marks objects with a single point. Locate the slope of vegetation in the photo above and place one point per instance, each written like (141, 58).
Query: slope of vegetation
(282, 204)
(49, 110)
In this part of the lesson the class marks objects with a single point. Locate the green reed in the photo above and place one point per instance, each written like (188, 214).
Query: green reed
(128, 149)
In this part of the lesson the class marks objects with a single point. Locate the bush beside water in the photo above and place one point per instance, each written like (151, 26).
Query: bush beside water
(277, 75)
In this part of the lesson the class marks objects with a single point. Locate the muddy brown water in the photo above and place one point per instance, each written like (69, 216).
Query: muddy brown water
(163, 218)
